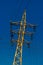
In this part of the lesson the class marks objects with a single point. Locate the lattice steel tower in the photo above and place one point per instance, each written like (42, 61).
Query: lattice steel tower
(20, 40)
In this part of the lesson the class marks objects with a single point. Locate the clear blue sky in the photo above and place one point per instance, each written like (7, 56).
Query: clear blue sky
(13, 10)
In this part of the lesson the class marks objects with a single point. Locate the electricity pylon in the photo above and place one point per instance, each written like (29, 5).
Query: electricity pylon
(20, 40)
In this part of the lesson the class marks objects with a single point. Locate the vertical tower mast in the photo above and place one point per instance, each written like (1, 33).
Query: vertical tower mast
(18, 53)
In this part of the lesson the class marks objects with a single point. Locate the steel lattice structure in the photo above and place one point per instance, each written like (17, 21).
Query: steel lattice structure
(18, 53)
(20, 40)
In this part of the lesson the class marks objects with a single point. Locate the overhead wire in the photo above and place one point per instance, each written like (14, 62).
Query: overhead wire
(15, 6)
(27, 6)
(19, 8)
